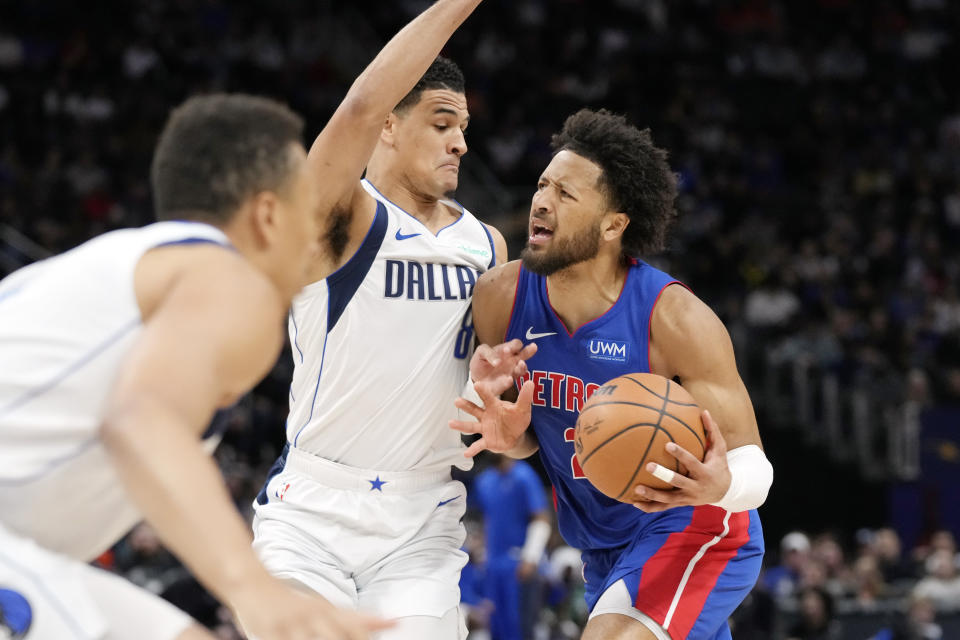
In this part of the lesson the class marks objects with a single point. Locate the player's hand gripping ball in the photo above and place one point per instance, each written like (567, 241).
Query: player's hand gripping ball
(627, 423)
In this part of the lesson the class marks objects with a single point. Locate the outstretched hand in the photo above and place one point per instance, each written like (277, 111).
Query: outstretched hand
(705, 483)
(501, 424)
(270, 609)
(499, 366)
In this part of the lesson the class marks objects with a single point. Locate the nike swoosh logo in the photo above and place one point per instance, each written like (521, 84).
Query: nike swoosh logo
(405, 236)
(533, 336)
(440, 504)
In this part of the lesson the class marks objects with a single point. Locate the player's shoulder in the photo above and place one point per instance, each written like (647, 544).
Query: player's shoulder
(493, 298)
(499, 280)
(683, 324)
(498, 241)
(206, 271)
(679, 307)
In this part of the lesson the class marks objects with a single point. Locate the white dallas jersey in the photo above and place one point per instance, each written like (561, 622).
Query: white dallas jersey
(66, 324)
(381, 347)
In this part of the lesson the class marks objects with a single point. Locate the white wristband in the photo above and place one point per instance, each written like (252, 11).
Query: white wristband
(751, 475)
(538, 534)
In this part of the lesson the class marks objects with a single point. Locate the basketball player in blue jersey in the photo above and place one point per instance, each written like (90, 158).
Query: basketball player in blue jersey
(361, 507)
(675, 564)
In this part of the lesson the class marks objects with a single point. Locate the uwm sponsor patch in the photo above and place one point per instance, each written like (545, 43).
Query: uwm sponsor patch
(602, 349)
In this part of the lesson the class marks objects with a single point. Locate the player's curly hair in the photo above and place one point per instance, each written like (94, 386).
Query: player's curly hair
(217, 150)
(442, 74)
(636, 178)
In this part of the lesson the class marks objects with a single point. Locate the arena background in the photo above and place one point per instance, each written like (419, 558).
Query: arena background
(818, 148)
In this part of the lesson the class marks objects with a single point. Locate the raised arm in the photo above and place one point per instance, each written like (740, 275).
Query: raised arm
(341, 151)
(211, 331)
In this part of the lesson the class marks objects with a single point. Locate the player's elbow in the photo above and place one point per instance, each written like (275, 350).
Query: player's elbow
(116, 428)
(130, 422)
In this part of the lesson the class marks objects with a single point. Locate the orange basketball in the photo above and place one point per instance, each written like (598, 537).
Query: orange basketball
(627, 423)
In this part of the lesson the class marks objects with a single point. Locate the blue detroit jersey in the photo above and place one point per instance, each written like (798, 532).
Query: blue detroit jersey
(566, 370)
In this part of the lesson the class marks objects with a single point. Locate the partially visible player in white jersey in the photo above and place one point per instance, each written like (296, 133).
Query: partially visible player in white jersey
(361, 507)
(116, 354)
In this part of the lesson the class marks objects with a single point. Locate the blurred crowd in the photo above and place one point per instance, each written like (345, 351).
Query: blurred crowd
(871, 588)
(817, 145)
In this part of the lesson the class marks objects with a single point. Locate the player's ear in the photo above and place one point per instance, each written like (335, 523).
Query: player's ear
(389, 132)
(614, 224)
(266, 217)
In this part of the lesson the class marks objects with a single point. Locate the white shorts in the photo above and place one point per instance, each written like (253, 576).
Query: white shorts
(386, 543)
(47, 596)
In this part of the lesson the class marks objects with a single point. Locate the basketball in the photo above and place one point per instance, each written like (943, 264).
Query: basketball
(627, 423)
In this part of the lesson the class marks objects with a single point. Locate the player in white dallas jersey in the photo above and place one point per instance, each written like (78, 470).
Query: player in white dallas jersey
(116, 354)
(361, 507)
(375, 369)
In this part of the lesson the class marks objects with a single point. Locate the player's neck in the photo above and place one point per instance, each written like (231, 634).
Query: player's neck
(585, 291)
(426, 208)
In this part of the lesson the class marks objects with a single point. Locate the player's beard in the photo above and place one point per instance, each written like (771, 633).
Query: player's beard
(562, 253)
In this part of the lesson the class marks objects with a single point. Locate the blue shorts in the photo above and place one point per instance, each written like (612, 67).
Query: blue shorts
(687, 570)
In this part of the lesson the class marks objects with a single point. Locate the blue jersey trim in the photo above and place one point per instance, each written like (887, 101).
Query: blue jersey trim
(420, 222)
(71, 369)
(463, 211)
(197, 240)
(275, 470)
(296, 334)
(316, 388)
(343, 283)
(10, 293)
(62, 609)
(493, 249)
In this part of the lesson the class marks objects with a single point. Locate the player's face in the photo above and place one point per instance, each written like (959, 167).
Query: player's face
(429, 140)
(565, 215)
(300, 204)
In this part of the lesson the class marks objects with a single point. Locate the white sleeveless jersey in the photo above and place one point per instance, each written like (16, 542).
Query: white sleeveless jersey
(381, 347)
(66, 324)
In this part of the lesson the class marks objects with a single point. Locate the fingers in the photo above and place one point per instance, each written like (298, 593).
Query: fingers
(475, 448)
(687, 459)
(360, 625)
(510, 348)
(669, 498)
(670, 476)
(468, 407)
(649, 506)
(717, 446)
(373, 623)
(528, 351)
(487, 354)
(525, 397)
(486, 393)
(519, 370)
(462, 426)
